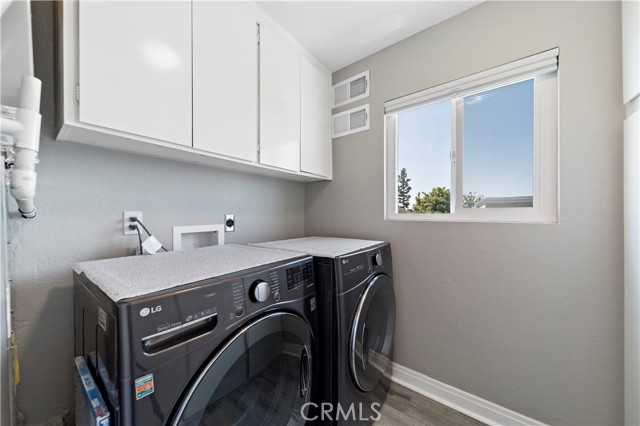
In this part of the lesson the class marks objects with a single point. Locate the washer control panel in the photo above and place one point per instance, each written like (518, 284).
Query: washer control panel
(278, 284)
(259, 291)
(198, 312)
(300, 275)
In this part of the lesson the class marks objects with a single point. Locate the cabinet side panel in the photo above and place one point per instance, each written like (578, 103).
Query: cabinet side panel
(315, 138)
(632, 268)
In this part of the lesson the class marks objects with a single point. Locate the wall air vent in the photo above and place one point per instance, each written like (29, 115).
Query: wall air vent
(350, 121)
(351, 89)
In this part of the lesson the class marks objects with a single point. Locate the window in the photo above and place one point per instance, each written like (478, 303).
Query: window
(482, 148)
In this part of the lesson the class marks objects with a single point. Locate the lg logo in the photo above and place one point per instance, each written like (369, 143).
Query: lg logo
(146, 311)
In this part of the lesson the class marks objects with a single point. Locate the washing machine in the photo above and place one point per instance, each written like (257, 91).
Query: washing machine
(356, 299)
(224, 335)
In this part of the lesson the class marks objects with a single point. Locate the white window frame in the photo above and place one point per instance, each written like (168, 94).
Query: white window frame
(545, 144)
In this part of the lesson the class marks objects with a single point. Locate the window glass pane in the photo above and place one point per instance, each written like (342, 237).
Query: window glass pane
(424, 168)
(498, 147)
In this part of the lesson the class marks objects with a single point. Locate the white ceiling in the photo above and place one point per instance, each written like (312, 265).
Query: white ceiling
(338, 33)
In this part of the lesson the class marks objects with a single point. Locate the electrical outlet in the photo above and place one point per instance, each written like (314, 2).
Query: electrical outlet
(126, 221)
(229, 222)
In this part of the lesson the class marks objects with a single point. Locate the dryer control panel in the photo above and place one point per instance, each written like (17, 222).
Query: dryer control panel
(354, 268)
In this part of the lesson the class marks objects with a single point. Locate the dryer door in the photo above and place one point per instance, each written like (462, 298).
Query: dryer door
(372, 333)
(263, 375)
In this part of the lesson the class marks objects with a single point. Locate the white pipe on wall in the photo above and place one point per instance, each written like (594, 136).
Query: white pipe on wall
(26, 146)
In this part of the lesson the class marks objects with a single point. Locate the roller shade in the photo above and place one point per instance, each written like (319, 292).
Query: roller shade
(541, 63)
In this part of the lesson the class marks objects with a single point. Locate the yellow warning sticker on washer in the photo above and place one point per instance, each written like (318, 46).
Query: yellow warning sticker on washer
(144, 386)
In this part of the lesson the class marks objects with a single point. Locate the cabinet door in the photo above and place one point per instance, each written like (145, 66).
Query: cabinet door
(225, 79)
(135, 67)
(315, 137)
(279, 100)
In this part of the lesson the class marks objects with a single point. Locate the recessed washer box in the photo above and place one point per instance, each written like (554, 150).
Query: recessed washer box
(180, 231)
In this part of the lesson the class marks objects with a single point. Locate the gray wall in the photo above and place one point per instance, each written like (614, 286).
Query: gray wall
(81, 194)
(526, 316)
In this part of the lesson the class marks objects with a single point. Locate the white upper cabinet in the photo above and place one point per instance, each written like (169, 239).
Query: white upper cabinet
(225, 79)
(193, 81)
(279, 100)
(135, 67)
(315, 137)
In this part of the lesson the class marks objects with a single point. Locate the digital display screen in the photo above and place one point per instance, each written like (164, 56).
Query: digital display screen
(299, 275)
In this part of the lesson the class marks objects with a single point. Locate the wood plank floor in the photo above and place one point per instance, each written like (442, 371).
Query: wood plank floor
(405, 407)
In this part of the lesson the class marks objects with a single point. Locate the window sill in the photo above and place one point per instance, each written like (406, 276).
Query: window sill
(474, 218)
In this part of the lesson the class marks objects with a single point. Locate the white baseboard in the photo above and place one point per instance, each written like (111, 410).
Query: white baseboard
(464, 402)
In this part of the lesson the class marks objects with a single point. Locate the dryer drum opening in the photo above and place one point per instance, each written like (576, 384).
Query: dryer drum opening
(372, 331)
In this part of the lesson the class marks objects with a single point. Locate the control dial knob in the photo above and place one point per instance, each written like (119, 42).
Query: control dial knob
(260, 291)
(376, 259)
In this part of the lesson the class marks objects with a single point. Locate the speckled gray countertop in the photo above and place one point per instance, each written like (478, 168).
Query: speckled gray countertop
(126, 277)
(319, 246)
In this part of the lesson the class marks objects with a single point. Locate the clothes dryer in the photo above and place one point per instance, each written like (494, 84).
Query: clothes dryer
(224, 335)
(354, 283)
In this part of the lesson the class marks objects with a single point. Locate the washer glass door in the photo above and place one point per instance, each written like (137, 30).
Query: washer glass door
(372, 333)
(261, 376)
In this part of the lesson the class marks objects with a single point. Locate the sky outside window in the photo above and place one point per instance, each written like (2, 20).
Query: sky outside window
(424, 136)
(498, 143)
